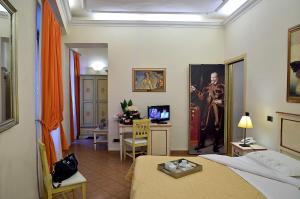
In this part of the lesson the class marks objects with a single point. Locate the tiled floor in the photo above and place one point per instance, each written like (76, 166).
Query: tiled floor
(104, 171)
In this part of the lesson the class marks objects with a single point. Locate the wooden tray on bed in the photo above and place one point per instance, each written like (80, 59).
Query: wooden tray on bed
(180, 171)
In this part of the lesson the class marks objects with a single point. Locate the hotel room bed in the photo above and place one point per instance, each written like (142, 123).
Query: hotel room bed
(271, 189)
(214, 181)
(265, 174)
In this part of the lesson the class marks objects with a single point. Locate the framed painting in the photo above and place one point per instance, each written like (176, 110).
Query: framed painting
(206, 108)
(149, 80)
(293, 66)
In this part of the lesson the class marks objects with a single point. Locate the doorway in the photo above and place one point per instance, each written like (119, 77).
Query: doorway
(89, 91)
(236, 100)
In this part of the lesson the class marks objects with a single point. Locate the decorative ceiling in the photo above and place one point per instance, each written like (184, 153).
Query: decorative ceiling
(199, 12)
(154, 6)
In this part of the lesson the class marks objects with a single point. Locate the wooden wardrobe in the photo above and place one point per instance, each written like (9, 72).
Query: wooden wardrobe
(93, 102)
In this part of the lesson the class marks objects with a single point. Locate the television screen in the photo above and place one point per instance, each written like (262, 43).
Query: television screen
(159, 113)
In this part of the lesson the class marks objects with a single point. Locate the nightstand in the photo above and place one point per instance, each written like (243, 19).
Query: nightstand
(237, 150)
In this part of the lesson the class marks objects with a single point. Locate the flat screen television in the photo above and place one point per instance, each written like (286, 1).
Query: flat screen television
(159, 113)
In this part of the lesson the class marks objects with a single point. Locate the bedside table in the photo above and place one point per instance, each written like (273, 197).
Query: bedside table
(238, 150)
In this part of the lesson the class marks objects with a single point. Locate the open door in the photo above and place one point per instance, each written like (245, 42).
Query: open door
(236, 70)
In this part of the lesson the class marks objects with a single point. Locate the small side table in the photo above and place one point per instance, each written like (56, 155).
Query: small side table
(238, 150)
(102, 133)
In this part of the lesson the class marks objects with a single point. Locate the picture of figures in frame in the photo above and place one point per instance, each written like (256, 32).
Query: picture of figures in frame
(148, 79)
(293, 68)
(206, 108)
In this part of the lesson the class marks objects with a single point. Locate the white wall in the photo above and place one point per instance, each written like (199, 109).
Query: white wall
(91, 56)
(17, 145)
(262, 34)
(66, 92)
(173, 48)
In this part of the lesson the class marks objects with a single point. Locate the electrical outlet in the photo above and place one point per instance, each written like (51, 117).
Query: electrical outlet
(270, 118)
(116, 140)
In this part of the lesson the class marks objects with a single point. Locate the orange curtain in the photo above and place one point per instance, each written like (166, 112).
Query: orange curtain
(71, 102)
(77, 89)
(52, 90)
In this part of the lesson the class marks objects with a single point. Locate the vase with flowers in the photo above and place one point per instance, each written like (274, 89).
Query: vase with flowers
(130, 112)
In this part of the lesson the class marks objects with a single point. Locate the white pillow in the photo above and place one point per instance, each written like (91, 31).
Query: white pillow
(276, 161)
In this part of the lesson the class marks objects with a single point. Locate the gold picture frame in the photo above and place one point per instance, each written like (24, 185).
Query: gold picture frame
(293, 65)
(149, 79)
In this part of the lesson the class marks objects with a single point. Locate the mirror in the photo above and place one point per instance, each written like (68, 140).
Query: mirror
(293, 84)
(8, 78)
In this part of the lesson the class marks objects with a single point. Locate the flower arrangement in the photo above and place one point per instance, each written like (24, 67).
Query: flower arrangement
(130, 112)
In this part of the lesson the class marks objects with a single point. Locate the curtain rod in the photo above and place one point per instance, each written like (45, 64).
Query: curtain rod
(75, 51)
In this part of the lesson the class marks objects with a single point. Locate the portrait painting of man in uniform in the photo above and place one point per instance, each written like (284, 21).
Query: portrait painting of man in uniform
(149, 79)
(206, 108)
(293, 68)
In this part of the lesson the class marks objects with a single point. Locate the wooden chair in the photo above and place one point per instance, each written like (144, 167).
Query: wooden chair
(140, 137)
(68, 185)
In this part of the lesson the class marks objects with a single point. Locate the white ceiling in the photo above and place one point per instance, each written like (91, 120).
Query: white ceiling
(202, 12)
(153, 6)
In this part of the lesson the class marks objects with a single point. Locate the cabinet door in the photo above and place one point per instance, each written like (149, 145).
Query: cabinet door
(102, 90)
(88, 89)
(102, 114)
(159, 142)
(88, 114)
(102, 103)
(87, 105)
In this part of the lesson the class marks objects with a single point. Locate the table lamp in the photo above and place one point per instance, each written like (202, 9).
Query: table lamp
(245, 123)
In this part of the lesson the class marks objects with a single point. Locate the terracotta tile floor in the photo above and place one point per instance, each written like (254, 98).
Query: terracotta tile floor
(104, 171)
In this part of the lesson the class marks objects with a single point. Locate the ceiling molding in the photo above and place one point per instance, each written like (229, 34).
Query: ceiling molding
(241, 11)
(67, 10)
(153, 6)
(4, 15)
(79, 22)
(221, 5)
(188, 13)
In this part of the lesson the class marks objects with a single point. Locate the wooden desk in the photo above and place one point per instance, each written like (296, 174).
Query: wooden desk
(159, 139)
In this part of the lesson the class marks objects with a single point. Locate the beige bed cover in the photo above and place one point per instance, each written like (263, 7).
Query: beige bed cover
(215, 181)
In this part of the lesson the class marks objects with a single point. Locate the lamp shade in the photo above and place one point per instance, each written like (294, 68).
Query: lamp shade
(245, 122)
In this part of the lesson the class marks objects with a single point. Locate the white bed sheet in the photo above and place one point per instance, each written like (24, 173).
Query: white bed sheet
(270, 188)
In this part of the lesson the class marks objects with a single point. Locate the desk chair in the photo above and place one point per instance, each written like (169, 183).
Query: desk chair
(140, 136)
(70, 184)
